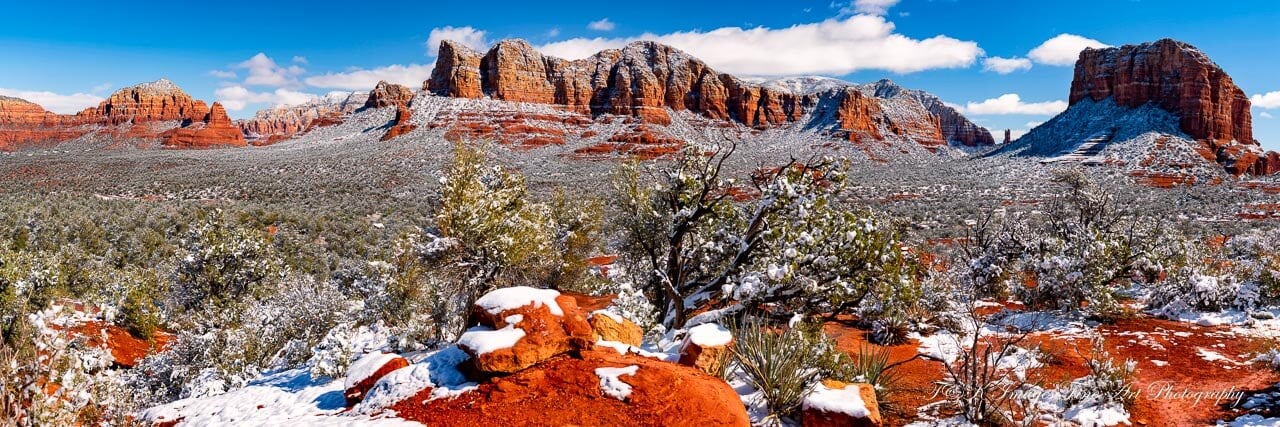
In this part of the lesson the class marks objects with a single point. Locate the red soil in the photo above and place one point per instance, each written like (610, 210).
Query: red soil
(125, 348)
(1177, 344)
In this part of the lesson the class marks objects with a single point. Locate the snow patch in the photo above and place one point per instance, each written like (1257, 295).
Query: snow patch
(484, 340)
(438, 371)
(365, 367)
(846, 401)
(710, 335)
(519, 296)
(612, 385)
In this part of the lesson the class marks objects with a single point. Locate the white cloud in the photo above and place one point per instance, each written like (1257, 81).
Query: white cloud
(872, 7)
(1032, 125)
(1011, 103)
(1265, 115)
(55, 102)
(1005, 65)
(411, 75)
(1267, 100)
(834, 46)
(223, 74)
(603, 24)
(1064, 49)
(300, 60)
(101, 88)
(263, 71)
(468, 36)
(236, 98)
(554, 32)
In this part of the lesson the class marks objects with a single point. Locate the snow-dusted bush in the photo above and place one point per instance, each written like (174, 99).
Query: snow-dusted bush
(789, 241)
(223, 263)
(1108, 381)
(1087, 248)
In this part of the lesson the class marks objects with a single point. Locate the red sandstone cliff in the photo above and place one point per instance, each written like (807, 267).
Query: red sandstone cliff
(213, 130)
(1182, 80)
(646, 80)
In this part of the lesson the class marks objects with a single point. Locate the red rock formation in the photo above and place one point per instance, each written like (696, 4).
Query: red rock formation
(389, 94)
(545, 331)
(25, 123)
(457, 72)
(1182, 80)
(646, 80)
(214, 130)
(566, 390)
(285, 121)
(1008, 136)
(160, 100)
(148, 111)
(403, 123)
(15, 111)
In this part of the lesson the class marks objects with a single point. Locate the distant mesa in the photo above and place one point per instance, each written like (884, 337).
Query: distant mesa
(1167, 87)
(152, 112)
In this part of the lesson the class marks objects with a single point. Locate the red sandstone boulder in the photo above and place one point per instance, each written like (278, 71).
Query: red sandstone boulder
(518, 327)
(611, 327)
(836, 404)
(599, 387)
(706, 347)
(366, 371)
(389, 94)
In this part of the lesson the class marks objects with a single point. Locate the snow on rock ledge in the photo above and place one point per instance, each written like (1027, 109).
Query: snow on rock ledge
(436, 376)
(705, 347)
(483, 340)
(519, 296)
(834, 403)
(515, 328)
(366, 371)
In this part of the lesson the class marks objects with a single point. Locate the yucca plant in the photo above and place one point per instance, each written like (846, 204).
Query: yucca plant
(870, 365)
(780, 364)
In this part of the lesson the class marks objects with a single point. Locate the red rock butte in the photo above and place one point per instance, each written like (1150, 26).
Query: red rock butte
(155, 111)
(1182, 80)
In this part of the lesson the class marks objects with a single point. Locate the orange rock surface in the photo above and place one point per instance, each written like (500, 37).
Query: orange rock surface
(566, 390)
(214, 130)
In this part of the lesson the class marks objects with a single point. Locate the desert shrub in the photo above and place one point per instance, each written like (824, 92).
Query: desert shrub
(501, 237)
(139, 310)
(978, 385)
(579, 221)
(782, 365)
(222, 264)
(870, 365)
(684, 236)
(1087, 248)
(1108, 381)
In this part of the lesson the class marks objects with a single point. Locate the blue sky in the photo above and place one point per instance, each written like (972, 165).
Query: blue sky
(251, 55)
